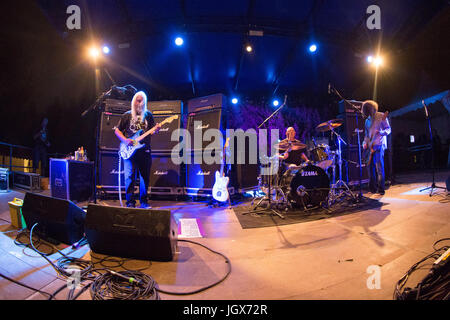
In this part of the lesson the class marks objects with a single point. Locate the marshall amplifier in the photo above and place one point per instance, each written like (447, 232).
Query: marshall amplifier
(165, 176)
(215, 101)
(117, 106)
(165, 107)
(353, 120)
(71, 180)
(162, 141)
(199, 122)
(200, 177)
(108, 139)
(108, 168)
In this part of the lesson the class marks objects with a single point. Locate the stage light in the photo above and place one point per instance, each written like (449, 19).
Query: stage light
(234, 100)
(179, 41)
(313, 48)
(378, 61)
(249, 48)
(94, 52)
(275, 103)
(106, 50)
(369, 59)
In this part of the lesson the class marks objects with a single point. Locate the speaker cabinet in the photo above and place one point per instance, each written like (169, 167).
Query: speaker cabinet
(199, 122)
(71, 180)
(161, 142)
(350, 167)
(56, 219)
(165, 176)
(108, 169)
(108, 139)
(131, 233)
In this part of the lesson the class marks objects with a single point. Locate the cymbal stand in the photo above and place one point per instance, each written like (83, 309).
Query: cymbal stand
(271, 202)
(339, 188)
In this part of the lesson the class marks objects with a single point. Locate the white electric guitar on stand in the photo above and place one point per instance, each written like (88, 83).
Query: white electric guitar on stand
(126, 151)
(220, 188)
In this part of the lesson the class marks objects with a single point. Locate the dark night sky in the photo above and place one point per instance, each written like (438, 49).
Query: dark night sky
(44, 75)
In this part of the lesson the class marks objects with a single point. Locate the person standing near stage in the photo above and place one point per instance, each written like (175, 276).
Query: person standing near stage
(138, 118)
(377, 129)
(41, 143)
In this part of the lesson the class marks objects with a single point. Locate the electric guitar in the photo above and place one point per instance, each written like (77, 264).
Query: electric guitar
(127, 151)
(220, 188)
(370, 151)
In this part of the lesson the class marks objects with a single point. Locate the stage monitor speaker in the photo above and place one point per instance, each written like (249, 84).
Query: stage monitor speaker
(165, 107)
(215, 101)
(131, 233)
(162, 142)
(57, 219)
(108, 139)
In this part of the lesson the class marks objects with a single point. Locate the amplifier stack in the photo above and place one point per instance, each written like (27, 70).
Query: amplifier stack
(166, 177)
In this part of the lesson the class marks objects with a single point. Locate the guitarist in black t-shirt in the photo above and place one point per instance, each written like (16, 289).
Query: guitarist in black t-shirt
(138, 118)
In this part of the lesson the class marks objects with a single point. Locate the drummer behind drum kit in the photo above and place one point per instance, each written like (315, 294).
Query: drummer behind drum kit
(308, 185)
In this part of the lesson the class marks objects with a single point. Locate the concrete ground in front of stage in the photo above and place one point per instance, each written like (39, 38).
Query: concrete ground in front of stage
(332, 258)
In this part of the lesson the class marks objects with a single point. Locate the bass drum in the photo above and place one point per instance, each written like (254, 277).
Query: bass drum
(308, 187)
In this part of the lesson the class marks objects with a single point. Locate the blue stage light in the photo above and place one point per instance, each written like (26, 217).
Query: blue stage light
(313, 48)
(234, 100)
(275, 103)
(179, 41)
(106, 50)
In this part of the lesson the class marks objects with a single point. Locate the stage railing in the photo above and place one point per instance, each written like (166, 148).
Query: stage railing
(14, 153)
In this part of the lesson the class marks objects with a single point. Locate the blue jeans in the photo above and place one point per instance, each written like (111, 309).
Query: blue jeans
(137, 166)
(376, 170)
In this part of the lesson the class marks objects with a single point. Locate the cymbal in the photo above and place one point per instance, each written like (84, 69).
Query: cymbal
(294, 145)
(329, 125)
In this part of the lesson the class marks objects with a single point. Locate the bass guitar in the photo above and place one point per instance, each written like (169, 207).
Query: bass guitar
(220, 188)
(370, 151)
(127, 151)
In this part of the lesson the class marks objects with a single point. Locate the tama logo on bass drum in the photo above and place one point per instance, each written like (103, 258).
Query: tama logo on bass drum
(309, 173)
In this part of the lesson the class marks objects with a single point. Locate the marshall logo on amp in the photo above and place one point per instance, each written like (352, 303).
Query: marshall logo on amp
(203, 173)
(161, 173)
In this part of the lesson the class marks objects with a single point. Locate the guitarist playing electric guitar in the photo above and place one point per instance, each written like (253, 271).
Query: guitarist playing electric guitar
(139, 161)
(377, 129)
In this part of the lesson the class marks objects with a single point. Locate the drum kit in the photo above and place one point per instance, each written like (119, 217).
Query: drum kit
(310, 185)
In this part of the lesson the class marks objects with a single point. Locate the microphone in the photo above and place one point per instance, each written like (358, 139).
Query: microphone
(425, 107)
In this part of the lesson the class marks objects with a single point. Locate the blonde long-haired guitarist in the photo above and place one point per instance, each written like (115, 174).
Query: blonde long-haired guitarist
(138, 118)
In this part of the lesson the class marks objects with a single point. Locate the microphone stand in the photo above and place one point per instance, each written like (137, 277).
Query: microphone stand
(268, 197)
(358, 111)
(433, 184)
(96, 106)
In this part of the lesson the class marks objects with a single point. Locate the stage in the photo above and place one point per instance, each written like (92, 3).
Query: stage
(328, 258)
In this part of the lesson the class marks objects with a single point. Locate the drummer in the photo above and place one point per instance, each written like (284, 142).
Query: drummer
(293, 155)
